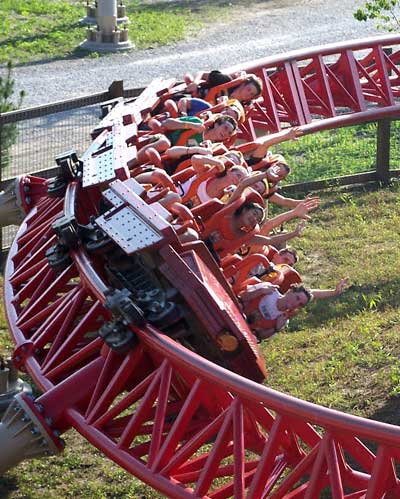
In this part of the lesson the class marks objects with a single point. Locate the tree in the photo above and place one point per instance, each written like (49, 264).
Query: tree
(8, 132)
(384, 12)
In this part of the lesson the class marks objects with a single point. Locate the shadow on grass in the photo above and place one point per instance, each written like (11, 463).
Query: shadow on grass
(76, 53)
(198, 7)
(355, 300)
(389, 413)
(7, 486)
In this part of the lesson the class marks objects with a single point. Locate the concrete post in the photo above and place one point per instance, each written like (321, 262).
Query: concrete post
(91, 13)
(107, 36)
(107, 16)
(10, 384)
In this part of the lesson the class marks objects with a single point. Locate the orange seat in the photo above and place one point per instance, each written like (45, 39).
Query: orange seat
(215, 92)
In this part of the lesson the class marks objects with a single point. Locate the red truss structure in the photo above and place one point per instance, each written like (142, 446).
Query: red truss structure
(326, 87)
(134, 385)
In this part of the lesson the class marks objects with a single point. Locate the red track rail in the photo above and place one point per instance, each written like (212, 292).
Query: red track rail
(328, 86)
(176, 421)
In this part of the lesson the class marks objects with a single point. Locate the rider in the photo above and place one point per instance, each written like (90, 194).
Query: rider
(268, 311)
(248, 87)
(193, 131)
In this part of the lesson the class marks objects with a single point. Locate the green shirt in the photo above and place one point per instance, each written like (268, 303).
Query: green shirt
(194, 140)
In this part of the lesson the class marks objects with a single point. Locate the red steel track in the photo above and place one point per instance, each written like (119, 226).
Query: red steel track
(178, 422)
(328, 86)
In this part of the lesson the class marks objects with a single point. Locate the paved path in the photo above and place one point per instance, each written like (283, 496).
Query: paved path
(264, 28)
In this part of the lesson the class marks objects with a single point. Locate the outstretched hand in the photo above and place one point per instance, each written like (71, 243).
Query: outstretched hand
(310, 197)
(294, 133)
(303, 208)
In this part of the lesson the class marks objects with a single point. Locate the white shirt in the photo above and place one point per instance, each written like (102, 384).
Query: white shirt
(268, 305)
(201, 190)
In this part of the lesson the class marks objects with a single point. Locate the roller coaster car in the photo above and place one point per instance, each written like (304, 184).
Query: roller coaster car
(178, 288)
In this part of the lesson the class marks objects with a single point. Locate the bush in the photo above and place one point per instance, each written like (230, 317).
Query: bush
(385, 12)
(8, 133)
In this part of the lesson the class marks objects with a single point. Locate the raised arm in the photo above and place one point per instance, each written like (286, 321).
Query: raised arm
(299, 211)
(289, 202)
(182, 124)
(200, 78)
(201, 163)
(277, 239)
(319, 294)
(263, 144)
(245, 183)
(259, 289)
(176, 152)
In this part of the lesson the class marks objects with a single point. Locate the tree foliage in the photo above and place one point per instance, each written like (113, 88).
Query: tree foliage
(8, 132)
(384, 12)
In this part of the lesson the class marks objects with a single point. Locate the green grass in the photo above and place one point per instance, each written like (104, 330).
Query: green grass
(34, 30)
(341, 151)
(345, 351)
(342, 353)
(81, 472)
(39, 29)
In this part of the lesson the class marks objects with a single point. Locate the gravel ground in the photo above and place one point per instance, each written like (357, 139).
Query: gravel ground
(264, 28)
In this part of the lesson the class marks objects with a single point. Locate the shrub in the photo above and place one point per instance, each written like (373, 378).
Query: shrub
(8, 132)
(385, 12)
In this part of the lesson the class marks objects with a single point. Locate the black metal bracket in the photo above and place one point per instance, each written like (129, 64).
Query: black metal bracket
(117, 335)
(58, 257)
(71, 166)
(66, 229)
(121, 304)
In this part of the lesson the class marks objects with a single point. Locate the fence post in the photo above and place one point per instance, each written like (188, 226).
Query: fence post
(383, 150)
(116, 89)
(1, 178)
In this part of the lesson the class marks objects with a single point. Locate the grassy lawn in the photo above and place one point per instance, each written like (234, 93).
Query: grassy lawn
(342, 353)
(337, 152)
(34, 30)
(345, 351)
